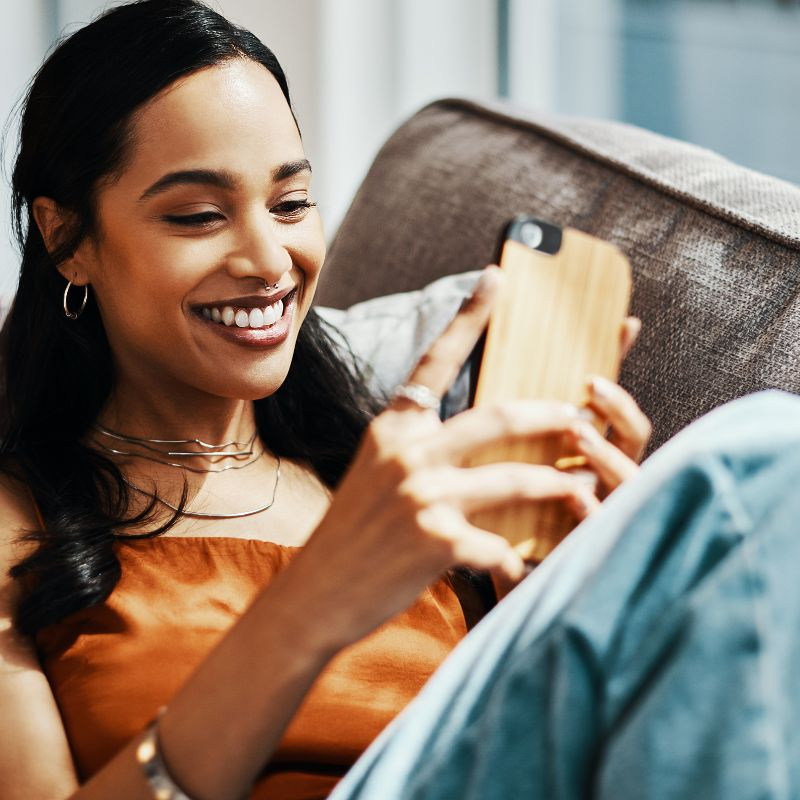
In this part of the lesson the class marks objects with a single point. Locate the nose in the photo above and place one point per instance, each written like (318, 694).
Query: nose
(259, 252)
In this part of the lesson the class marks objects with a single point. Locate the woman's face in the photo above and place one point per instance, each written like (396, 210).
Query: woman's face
(211, 208)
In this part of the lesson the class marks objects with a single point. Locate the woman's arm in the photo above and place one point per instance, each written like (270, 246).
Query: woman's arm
(35, 762)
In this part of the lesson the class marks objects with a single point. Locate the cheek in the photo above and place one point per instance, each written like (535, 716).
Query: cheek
(308, 256)
(140, 298)
(153, 271)
(312, 263)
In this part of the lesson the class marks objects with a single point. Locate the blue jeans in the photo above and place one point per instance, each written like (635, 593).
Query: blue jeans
(655, 654)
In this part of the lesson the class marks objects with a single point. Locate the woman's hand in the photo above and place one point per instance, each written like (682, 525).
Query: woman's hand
(616, 458)
(400, 516)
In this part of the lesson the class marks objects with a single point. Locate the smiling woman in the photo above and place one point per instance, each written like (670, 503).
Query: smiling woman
(230, 185)
(174, 434)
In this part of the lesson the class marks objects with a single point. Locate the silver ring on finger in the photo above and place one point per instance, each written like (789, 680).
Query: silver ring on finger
(420, 396)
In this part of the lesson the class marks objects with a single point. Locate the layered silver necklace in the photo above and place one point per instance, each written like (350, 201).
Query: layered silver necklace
(165, 451)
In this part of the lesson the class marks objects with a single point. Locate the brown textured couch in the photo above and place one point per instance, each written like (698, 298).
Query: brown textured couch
(715, 248)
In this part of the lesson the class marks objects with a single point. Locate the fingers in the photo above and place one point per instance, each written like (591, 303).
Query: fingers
(493, 485)
(587, 501)
(483, 550)
(439, 366)
(631, 328)
(445, 496)
(612, 466)
(515, 420)
(630, 427)
(473, 546)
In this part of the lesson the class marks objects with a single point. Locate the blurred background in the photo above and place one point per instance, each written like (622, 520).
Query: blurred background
(723, 74)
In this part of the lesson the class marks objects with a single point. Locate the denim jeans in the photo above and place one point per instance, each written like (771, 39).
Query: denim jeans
(655, 654)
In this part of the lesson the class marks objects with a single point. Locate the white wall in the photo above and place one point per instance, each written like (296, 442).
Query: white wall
(24, 35)
(357, 67)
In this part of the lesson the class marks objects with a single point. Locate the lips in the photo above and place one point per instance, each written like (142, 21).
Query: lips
(251, 311)
(254, 320)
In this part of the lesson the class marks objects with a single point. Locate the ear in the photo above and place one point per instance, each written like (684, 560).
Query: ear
(54, 223)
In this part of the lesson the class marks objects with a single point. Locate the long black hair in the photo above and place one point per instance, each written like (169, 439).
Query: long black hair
(57, 373)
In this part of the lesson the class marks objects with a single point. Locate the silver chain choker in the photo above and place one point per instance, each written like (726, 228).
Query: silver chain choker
(243, 454)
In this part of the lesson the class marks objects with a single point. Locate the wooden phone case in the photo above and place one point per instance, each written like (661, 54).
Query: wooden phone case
(557, 320)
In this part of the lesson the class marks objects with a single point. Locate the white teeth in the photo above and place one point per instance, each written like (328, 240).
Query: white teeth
(269, 315)
(273, 313)
(244, 318)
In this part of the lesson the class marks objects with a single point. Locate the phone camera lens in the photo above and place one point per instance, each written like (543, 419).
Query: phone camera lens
(531, 234)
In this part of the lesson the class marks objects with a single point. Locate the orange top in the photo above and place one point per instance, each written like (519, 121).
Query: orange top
(111, 667)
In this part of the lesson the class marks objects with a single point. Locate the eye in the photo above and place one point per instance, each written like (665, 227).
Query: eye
(292, 209)
(204, 219)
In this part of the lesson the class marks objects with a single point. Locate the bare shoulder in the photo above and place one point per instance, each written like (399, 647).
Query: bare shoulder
(30, 724)
(17, 516)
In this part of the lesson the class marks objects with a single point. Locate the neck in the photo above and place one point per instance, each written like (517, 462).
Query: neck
(157, 415)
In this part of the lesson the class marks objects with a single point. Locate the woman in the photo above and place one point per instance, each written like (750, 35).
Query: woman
(178, 423)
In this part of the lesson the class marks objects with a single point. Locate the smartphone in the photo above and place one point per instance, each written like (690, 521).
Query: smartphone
(558, 319)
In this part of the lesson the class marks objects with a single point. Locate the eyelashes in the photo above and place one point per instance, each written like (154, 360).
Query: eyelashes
(289, 209)
(293, 208)
(193, 220)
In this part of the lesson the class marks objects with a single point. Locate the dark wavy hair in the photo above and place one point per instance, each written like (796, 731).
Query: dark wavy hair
(57, 373)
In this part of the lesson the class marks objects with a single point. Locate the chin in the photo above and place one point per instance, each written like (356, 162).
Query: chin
(254, 389)
(244, 381)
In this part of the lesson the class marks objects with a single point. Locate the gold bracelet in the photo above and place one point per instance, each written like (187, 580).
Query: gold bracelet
(148, 756)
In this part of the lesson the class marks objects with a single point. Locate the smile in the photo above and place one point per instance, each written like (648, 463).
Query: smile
(244, 317)
(250, 321)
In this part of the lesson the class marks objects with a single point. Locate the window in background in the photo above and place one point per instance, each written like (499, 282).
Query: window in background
(724, 74)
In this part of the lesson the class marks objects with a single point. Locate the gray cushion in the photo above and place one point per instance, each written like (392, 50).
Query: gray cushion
(388, 334)
(715, 248)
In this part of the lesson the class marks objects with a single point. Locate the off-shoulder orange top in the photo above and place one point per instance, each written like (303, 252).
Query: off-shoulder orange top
(111, 667)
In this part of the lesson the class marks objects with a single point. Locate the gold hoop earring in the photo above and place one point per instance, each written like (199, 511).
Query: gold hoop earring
(75, 314)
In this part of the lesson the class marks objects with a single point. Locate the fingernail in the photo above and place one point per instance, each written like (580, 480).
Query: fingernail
(489, 277)
(586, 477)
(599, 386)
(581, 506)
(579, 413)
(587, 502)
(584, 433)
(514, 566)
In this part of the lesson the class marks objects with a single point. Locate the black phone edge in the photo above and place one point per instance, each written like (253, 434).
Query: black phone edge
(515, 229)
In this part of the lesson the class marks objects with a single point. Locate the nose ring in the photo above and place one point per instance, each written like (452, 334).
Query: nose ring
(271, 286)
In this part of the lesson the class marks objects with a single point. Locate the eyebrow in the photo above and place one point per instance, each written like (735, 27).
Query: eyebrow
(218, 178)
(290, 169)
